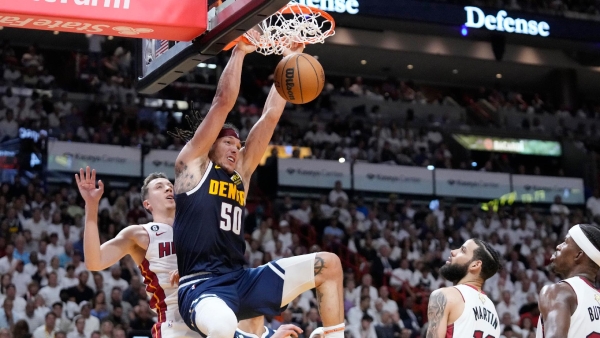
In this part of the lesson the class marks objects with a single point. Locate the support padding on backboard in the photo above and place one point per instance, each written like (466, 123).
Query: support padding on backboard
(178, 20)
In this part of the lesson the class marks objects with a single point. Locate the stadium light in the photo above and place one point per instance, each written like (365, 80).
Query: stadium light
(342, 160)
(464, 31)
(430, 167)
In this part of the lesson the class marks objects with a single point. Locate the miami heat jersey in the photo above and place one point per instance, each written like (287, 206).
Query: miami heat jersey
(479, 318)
(208, 229)
(585, 321)
(159, 261)
(241, 334)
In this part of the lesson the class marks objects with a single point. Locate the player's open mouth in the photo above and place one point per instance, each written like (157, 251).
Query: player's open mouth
(231, 159)
(170, 197)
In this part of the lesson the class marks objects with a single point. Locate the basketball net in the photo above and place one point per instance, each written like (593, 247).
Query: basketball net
(295, 23)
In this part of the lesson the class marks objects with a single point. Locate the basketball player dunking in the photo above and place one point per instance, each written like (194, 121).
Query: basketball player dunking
(213, 172)
(150, 245)
(571, 307)
(463, 310)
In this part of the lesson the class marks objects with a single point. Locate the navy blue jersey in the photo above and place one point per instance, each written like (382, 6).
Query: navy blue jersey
(241, 334)
(208, 229)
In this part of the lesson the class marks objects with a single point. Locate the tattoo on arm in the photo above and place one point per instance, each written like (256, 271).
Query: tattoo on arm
(319, 265)
(435, 311)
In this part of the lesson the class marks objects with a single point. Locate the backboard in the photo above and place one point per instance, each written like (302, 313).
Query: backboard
(161, 62)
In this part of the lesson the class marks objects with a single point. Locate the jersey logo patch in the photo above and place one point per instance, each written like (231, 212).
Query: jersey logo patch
(236, 179)
(217, 167)
(154, 227)
(162, 233)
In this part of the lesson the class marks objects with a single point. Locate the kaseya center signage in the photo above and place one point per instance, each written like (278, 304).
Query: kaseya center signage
(334, 6)
(501, 22)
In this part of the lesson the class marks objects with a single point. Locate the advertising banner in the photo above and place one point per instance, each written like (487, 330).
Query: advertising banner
(393, 179)
(106, 159)
(474, 184)
(179, 20)
(160, 161)
(509, 145)
(543, 189)
(313, 173)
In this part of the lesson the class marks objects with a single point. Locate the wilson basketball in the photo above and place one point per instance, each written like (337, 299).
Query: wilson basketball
(299, 78)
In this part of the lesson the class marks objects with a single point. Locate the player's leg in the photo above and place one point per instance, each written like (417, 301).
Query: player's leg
(322, 271)
(214, 318)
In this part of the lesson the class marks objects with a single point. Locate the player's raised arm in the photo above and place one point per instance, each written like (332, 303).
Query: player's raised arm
(437, 314)
(555, 308)
(99, 257)
(261, 133)
(227, 93)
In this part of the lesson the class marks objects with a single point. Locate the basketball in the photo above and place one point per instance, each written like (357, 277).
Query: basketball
(299, 78)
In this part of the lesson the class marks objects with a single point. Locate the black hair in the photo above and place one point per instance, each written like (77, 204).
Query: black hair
(489, 257)
(194, 119)
(592, 232)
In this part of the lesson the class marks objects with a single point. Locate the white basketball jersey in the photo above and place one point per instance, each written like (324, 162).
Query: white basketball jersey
(479, 318)
(585, 321)
(159, 261)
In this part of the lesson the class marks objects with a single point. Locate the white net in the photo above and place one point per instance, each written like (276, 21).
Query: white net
(294, 23)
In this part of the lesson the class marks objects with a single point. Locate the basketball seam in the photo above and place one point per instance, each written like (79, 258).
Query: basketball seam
(299, 78)
(316, 74)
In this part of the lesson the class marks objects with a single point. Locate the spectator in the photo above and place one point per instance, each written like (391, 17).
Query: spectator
(9, 127)
(337, 193)
(78, 332)
(382, 266)
(8, 316)
(363, 329)
(19, 252)
(51, 292)
(91, 323)
(32, 319)
(356, 313)
(593, 203)
(20, 330)
(21, 279)
(48, 330)
(507, 305)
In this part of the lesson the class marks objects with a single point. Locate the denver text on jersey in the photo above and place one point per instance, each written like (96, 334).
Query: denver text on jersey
(338, 6)
(476, 18)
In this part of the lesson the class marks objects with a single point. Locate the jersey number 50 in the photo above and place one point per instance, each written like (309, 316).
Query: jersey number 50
(231, 218)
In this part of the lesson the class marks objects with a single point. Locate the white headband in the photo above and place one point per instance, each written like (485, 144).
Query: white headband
(584, 243)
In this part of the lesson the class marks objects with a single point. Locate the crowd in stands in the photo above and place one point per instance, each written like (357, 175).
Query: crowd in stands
(117, 115)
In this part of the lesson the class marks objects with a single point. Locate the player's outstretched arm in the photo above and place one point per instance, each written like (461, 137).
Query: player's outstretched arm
(556, 307)
(228, 90)
(99, 257)
(437, 314)
(261, 133)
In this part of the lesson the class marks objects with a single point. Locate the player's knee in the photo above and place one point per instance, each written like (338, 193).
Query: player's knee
(215, 319)
(223, 327)
(328, 264)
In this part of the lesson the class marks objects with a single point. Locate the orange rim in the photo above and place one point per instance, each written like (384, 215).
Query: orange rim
(294, 9)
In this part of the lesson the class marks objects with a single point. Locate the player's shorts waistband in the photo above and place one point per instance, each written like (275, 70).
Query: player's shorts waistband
(193, 278)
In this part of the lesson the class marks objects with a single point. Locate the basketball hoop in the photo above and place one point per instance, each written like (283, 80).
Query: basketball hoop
(295, 23)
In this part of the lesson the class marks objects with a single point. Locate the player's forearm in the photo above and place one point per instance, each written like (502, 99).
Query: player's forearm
(274, 106)
(228, 88)
(91, 238)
